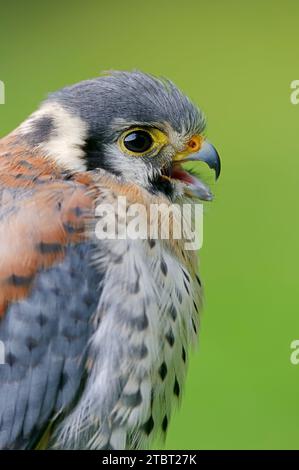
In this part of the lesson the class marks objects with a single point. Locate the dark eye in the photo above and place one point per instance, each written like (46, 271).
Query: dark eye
(138, 141)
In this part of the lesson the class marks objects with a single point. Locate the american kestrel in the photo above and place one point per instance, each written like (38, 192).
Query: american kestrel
(97, 331)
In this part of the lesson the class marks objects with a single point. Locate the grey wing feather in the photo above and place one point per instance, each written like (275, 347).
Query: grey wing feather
(45, 338)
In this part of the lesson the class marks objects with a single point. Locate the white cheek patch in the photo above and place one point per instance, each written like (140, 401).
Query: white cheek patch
(65, 143)
(132, 168)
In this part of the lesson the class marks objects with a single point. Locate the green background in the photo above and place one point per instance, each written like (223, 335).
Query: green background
(237, 61)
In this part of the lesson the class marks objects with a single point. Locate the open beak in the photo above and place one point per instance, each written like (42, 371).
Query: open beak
(194, 186)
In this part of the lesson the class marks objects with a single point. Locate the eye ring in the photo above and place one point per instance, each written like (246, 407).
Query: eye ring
(142, 141)
(138, 141)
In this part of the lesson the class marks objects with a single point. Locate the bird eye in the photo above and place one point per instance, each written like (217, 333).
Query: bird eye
(138, 141)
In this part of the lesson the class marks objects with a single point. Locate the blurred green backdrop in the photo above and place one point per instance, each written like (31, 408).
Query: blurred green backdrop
(236, 60)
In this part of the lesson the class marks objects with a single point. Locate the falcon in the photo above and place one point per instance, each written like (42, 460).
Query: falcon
(96, 330)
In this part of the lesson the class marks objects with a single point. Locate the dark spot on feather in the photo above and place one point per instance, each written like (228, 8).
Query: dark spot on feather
(117, 259)
(48, 248)
(179, 295)
(176, 387)
(195, 306)
(6, 155)
(73, 273)
(10, 359)
(151, 243)
(164, 424)
(132, 400)
(55, 290)
(173, 312)
(163, 370)
(183, 354)
(68, 336)
(194, 326)
(19, 281)
(40, 180)
(198, 280)
(149, 425)
(77, 211)
(170, 338)
(140, 323)
(25, 164)
(70, 228)
(164, 268)
(31, 343)
(33, 179)
(42, 320)
(88, 300)
(140, 351)
(135, 288)
(63, 380)
(77, 316)
(186, 287)
(152, 397)
(186, 275)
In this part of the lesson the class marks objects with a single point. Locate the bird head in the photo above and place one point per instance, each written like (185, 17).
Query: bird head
(135, 126)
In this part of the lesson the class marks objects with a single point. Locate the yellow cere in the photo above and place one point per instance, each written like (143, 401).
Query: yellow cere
(193, 145)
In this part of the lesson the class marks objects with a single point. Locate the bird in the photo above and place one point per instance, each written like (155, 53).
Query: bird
(97, 331)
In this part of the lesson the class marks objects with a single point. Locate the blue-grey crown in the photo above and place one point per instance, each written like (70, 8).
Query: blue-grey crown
(132, 96)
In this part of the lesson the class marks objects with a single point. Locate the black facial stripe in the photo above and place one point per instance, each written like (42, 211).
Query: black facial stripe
(95, 157)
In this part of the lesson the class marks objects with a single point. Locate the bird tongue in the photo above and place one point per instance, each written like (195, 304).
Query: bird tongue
(178, 173)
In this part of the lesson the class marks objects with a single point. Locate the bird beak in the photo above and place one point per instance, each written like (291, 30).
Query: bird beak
(198, 150)
(207, 154)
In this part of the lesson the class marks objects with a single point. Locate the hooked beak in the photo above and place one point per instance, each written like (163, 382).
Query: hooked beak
(195, 187)
(207, 154)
